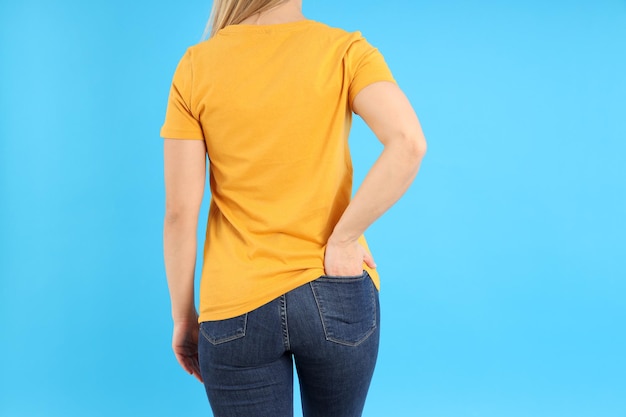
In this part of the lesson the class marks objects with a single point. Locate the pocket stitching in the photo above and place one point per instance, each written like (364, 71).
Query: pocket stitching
(374, 324)
(326, 278)
(238, 335)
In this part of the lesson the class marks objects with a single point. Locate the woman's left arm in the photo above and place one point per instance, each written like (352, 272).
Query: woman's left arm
(185, 172)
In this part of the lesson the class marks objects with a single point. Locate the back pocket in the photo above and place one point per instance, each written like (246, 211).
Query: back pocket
(347, 307)
(222, 331)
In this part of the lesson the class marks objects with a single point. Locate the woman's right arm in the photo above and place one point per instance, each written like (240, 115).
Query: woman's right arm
(185, 167)
(388, 112)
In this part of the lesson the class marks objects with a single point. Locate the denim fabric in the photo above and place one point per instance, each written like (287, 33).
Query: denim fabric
(328, 327)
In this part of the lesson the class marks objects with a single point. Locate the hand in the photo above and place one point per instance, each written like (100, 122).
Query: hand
(185, 346)
(346, 259)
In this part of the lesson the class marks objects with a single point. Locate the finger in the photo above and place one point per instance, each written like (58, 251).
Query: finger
(198, 377)
(183, 362)
(196, 369)
(369, 260)
(190, 365)
(187, 363)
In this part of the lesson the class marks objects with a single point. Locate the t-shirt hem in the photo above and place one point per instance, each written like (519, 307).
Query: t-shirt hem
(227, 313)
(180, 134)
(241, 309)
(366, 83)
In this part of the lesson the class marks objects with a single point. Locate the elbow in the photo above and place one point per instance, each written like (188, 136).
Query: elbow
(413, 145)
(171, 217)
(418, 146)
(176, 215)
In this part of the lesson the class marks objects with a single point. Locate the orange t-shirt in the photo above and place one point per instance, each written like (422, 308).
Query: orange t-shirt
(273, 104)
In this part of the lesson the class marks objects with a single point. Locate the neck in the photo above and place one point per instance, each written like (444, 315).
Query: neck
(289, 11)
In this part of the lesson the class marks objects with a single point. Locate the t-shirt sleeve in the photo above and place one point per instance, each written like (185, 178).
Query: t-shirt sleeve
(180, 121)
(366, 65)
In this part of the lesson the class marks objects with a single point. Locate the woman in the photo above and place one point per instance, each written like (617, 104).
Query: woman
(287, 276)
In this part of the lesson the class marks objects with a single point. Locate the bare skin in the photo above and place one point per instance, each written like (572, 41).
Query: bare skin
(288, 11)
(185, 167)
(385, 109)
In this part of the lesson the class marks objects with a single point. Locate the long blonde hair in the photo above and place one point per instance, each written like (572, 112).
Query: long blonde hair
(232, 12)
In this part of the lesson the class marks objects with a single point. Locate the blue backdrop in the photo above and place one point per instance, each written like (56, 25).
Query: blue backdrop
(504, 276)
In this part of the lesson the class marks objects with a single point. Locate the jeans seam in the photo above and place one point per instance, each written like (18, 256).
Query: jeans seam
(319, 310)
(284, 323)
(374, 307)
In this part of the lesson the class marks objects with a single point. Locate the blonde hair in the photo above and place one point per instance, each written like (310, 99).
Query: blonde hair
(232, 12)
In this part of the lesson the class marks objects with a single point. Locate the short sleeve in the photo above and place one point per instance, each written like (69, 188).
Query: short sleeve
(366, 65)
(180, 122)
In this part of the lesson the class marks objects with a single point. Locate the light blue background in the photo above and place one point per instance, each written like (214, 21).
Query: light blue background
(504, 277)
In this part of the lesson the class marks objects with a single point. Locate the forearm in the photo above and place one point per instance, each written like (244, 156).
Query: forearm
(385, 183)
(179, 249)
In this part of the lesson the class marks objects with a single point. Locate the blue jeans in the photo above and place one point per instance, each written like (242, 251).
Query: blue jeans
(329, 327)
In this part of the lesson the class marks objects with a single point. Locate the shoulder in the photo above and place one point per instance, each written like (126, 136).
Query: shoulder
(318, 33)
(335, 39)
(337, 33)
